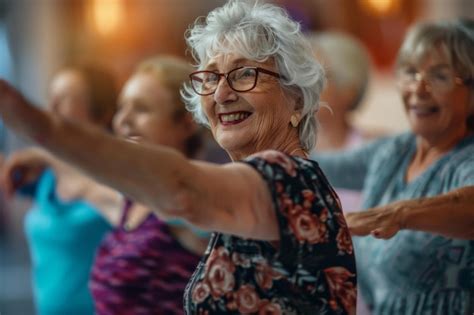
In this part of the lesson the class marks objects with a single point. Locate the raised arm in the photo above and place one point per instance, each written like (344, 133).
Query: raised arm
(347, 169)
(450, 214)
(232, 198)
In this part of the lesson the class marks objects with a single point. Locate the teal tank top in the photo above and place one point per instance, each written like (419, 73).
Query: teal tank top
(63, 237)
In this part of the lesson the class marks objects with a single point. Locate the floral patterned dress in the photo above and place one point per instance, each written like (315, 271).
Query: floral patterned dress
(311, 270)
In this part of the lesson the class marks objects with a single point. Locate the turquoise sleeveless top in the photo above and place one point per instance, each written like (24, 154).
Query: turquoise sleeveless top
(63, 237)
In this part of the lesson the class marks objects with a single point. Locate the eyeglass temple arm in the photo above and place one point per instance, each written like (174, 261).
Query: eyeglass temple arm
(268, 72)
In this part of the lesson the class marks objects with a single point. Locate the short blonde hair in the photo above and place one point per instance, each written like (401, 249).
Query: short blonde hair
(173, 72)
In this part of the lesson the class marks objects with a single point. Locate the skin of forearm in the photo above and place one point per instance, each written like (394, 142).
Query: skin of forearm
(450, 214)
(127, 167)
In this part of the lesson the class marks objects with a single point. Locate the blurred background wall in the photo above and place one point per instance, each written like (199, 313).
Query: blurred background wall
(38, 36)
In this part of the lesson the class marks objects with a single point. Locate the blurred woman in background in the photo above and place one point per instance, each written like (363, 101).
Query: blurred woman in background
(143, 266)
(63, 227)
(347, 66)
(420, 184)
(144, 263)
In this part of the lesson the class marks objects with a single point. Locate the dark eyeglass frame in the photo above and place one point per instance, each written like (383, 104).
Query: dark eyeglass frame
(193, 77)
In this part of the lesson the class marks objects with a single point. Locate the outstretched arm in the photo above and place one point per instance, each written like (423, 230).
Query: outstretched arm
(450, 214)
(24, 168)
(231, 198)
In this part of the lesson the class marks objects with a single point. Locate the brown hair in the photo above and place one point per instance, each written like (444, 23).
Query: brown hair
(102, 90)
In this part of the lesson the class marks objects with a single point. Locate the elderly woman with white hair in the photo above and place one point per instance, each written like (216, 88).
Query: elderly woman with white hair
(281, 244)
(419, 186)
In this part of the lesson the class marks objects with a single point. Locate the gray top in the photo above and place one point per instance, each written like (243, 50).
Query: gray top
(414, 272)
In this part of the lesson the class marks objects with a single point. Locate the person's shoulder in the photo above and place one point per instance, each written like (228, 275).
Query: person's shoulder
(467, 143)
(279, 158)
(277, 165)
(268, 155)
(463, 153)
(394, 142)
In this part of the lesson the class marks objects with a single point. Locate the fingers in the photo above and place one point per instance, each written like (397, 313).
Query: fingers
(357, 231)
(10, 179)
(357, 224)
(385, 233)
(20, 170)
(378, 223)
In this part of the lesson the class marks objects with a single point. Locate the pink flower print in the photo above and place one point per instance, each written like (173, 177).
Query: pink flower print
(341, 289)
(200, 292)
(247, 299)
(265, 274)
(269, 308)
(220, 272)
(307, 227)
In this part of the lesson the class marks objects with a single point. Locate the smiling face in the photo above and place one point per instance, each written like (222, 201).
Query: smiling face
(247, 122)
(69, 97)
(433, 113)
(147, 113)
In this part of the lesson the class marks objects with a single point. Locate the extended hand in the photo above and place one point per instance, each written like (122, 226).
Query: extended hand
(22, 168)
(382, 222)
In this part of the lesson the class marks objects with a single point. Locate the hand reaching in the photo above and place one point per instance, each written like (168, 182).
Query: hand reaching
(22, 168)
(381, 222)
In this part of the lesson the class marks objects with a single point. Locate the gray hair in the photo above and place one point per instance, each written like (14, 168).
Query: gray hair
(259, 31)
(455, 38)
(346, 61)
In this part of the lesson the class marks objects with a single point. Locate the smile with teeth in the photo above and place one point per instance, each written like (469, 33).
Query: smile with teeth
(424, 110)
(233, 118)
(133, 138)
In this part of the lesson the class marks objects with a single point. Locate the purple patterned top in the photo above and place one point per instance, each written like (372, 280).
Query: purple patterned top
(142, 271)
(311, 270)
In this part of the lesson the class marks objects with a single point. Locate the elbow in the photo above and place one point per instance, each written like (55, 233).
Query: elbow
(176, 203)
(185, 207)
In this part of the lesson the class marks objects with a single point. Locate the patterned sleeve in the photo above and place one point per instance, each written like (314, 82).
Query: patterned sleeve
(315, 245)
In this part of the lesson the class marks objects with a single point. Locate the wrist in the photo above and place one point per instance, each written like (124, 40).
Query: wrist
(402, 214)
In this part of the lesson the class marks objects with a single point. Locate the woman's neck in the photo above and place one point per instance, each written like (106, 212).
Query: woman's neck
(293, 150)
(429, 147)
(289, 144)
(429, 150)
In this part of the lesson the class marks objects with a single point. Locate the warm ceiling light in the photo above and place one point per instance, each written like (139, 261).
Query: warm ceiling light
(107, 15)
(380, 7)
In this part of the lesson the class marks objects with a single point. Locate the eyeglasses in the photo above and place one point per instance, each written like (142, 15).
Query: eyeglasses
(242, 79)
(440, 80)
